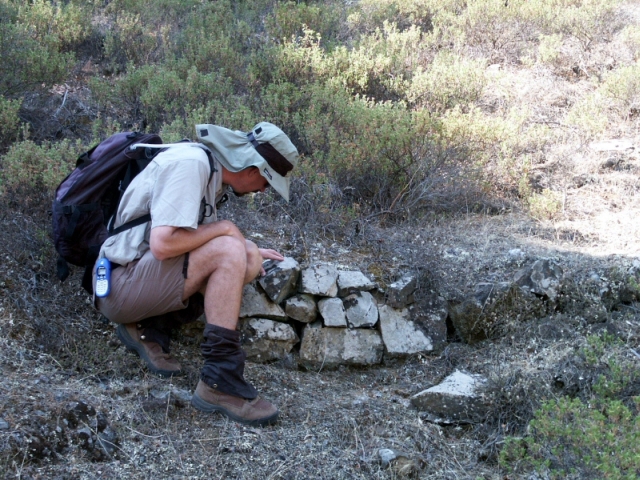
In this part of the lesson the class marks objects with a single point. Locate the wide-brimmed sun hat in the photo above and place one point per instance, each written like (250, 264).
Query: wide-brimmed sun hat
(266, 147)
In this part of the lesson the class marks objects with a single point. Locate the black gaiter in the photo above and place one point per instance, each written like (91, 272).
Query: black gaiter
(224, 362)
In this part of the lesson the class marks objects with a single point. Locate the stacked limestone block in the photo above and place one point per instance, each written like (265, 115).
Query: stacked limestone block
(334, 316)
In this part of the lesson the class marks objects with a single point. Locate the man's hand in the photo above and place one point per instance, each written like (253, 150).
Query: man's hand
(269, 254)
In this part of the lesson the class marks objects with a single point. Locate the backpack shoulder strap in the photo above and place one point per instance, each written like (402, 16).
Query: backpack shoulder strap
(146, 218)
(208, 151)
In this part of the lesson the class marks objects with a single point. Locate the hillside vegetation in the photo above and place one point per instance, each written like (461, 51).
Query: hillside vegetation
(461, 121)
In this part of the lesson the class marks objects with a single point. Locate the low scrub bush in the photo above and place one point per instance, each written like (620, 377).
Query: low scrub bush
(30, 59)
(379, 66)
(154, 95)
(494, 27)
(379, 156)
(67, 24)
(449, 81)
(570, 438)
(549, 48)
(545, 205)
(129, 40)
(588, 21)
(289, 19)
(38, 166)
(592, 436)
(489, 142)
(615, 100)
(631, 38)
(371, 14)
(360, 144)
(9, 120)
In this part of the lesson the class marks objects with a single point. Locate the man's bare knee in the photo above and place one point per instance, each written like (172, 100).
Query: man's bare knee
(225, 254)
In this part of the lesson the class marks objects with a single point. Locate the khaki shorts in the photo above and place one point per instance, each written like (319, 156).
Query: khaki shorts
(144, 288)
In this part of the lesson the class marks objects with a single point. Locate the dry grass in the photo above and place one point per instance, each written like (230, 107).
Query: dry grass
(57, 350)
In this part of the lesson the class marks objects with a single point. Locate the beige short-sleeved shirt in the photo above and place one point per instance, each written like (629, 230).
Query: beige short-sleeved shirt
(171, 188)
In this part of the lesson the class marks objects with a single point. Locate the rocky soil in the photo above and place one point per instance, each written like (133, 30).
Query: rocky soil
(76, 404)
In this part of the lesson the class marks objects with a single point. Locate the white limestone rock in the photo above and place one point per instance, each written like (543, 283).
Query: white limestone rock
(281, 279)
(353, 281)
(544, 278)
(460, 398)
(256, 304)
(301, 307)
(320, 280)
(332, 312)
(265, 340)
(361, 309)
(400, 293)
(331, 347)
(401, 336)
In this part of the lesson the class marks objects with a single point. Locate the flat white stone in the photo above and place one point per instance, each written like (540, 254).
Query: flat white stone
(400, 335)
(361, 310)
(331, 347)
(352, 281)
(257, 304)
(320, 279)
(332, 312)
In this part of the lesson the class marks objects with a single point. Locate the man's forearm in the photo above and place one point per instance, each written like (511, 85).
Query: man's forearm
(168, 242)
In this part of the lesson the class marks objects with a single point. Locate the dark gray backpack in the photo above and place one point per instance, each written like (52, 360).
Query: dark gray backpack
(88, 197)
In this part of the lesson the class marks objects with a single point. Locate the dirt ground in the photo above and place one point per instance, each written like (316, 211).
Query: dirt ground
(76, 404)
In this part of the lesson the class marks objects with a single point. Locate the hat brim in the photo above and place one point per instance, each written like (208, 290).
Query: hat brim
(234, 151)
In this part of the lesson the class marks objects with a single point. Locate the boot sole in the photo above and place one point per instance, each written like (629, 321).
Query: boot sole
(135, 347)
(204, 406)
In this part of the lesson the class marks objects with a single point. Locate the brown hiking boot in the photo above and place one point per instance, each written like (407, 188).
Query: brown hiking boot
(256, 412)
(156, 359)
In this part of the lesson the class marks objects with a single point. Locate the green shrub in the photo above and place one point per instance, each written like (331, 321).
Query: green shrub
(213, 51)
(631, 37)
(155, 95)
(545, 205)
(371, 14)
(129, 40)
(450, 80)
(38, 166)
(284, 104)
(549, 48)
(583, 440)
(591, 437)
(615, 100)
(65, 22)
(29, 59)
(588, 21)
(378, 66)
(9, 120)
(622, 88)
(492, 25)
(289, 19)
(373, 150)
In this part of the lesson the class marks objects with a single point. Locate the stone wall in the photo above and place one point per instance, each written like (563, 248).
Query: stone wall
(335, 317)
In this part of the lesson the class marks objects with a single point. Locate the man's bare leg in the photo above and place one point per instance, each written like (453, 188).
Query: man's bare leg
(219, 269)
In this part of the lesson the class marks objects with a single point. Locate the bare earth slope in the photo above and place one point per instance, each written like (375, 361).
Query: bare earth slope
(56, 352)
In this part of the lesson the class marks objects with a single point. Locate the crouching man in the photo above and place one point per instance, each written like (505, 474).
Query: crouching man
(184, 261)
